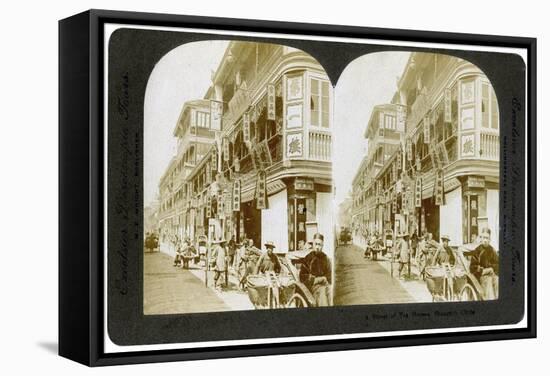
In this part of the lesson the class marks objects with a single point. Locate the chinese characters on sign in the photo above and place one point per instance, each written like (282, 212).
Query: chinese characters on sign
(447, 105)
(294, 145)
(294, 88)
(214, 161)
(426, 128)
(225, 149)
(237, 195)
(208, 206)
(418, 192)
(246, 127)
(220, 209)
(270, 102)
(467, 145)
(261, 191)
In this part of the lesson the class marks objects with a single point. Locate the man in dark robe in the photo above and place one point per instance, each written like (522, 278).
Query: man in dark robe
(484, 265)
(316, 272)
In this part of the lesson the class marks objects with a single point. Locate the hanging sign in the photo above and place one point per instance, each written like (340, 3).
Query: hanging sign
(409, 150)
(246, 127)
(418, 192)
(208, 206)
(220, 202)
(225, 142)
(237, 195)
(270, 102)
(447, 105)
(228, 204)
(208, 174)
(426, 129)
(261, 191)
(399, 161)
(214, 161)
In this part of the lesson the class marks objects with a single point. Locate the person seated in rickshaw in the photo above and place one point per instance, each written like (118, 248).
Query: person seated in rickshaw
(445, 257)
(424, 255)
(444, 253)
(484, 265)
(316, 272)
(268, 262)
(247, 257)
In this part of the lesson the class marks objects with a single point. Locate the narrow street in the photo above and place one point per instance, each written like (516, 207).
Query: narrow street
(363, 281)
(171, 290)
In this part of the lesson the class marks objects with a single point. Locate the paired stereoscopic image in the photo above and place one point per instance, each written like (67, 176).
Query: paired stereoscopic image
(268, 186)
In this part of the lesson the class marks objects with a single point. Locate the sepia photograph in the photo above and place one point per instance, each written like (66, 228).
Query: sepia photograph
(417, 181)
(237, 180)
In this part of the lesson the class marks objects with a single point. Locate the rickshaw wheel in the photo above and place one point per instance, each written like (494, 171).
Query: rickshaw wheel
(296, 301)
(468, 294)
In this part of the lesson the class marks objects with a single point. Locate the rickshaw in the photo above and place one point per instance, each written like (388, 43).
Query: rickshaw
(345, 236)
(283, 290)
(453, 282)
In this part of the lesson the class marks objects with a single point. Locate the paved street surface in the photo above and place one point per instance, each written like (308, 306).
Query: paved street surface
(363, 281)
(169, 290)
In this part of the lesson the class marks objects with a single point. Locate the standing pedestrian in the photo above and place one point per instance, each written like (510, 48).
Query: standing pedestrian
(414, 245)
(316, 272)
(219, 261)
(231, 250)
(485, 265)
(403, 253)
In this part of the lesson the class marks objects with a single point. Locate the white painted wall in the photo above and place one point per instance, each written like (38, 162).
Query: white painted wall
(274, 221)
(450, 216)
(493, 215)
(325, 220)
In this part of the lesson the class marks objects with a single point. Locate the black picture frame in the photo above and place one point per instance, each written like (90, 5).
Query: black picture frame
(81, 167)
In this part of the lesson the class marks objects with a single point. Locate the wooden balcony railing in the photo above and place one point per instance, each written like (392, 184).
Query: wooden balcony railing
(320, 145)
(489, 146)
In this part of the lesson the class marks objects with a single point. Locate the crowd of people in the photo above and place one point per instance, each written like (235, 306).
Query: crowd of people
(425, 253)
(242, 258)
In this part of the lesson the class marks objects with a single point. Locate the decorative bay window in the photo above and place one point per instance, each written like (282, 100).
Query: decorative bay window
(319, 102)
(202, 119)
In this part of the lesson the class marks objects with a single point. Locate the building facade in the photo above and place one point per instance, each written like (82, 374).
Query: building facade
(384, 135)
(194, 139)
(267, 172)
(444, 176)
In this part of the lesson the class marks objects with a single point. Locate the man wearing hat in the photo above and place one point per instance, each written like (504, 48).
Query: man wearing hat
(444, 254)
(218, 259)
(268, 262)
(316, 272)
